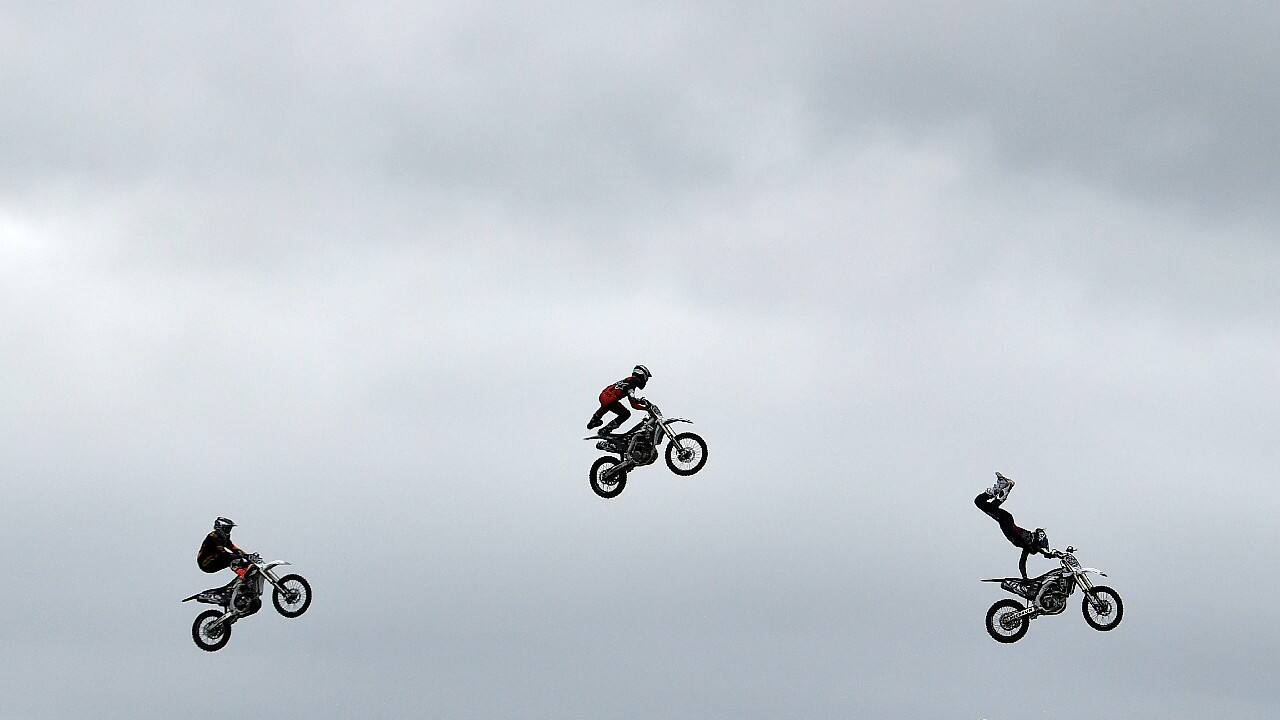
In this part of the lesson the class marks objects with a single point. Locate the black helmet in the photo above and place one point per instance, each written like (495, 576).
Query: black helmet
(223, 525)
(643, 373)
(1042, 539)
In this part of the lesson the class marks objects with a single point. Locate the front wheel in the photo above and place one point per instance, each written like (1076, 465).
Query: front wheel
(1102, 608)
(1001, 626)
(295, 598)
(613, 486)
(686, 454)
(210, 635)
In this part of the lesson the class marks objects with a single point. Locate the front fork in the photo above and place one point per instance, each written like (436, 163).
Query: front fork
(231, 615)
(270, 575)
(666, 430)
(1083, 581)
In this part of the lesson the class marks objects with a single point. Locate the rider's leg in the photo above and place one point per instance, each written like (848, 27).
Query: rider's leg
(991, 506)
(608, 398)
(623, 414)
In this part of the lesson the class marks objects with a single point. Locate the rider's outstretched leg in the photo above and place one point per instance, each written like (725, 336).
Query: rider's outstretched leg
(990, 505)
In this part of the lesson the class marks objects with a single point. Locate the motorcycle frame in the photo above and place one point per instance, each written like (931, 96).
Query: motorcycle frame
(661, 429)
(1079, 576)
(265, 571)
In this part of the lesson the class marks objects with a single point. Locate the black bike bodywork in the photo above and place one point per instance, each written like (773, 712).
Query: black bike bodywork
(686, 453)
(1008, 620)
(242, 597)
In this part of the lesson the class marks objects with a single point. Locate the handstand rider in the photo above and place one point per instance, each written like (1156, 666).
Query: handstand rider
(989, 501)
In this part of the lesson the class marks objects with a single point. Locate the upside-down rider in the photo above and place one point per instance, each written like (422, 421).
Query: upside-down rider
(217, 552)
(611, 396)
(989, 501)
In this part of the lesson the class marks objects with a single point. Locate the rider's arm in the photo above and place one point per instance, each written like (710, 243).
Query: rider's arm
(1022, 563)
(636, 403)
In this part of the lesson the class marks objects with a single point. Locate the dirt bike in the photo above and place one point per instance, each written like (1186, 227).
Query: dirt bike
(1008, 620)
(242, 597)
(686, 452)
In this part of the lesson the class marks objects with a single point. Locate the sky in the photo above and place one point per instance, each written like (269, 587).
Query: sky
(354, 275)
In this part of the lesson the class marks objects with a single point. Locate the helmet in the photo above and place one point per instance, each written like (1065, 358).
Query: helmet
(643, 373)
(1042, 539)
(223, 525)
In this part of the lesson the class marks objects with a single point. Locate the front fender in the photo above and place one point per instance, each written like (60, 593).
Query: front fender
(672, 421)
(275, 563)
(1084, 570)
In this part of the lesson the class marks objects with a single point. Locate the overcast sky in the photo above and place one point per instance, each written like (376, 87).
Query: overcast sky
(354, 277)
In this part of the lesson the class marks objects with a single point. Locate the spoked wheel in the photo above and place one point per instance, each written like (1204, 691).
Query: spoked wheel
(296, 597)
(686, 454)
(611, 487)
(1102, 608)
(1001, 626)
(208, 634)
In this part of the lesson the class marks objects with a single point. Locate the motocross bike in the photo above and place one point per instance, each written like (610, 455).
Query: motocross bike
(242, 597)
(686, 452)
(1008, 620)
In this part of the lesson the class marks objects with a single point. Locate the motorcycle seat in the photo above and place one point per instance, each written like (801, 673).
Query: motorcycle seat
(1037, 578)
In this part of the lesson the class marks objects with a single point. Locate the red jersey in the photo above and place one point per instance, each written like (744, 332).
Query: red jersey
(615, 392)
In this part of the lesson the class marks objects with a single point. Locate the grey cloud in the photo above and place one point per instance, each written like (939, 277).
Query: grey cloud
(355, 277)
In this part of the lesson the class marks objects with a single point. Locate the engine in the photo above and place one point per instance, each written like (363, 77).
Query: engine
(1053, 595)
(642, 451)
(246, 598)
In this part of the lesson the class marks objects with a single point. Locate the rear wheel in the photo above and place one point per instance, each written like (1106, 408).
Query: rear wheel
(607, 488)
(1001, 626)
(296, 597)
(208, 633)
(686, 454)
(1102, 608)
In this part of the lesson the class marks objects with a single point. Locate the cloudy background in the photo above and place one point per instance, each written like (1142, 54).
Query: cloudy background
(354, 276)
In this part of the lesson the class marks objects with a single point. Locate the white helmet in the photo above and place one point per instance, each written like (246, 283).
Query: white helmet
(643, 373)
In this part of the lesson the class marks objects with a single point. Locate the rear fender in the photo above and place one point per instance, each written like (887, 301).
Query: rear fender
(1024, 589)
(213, 596)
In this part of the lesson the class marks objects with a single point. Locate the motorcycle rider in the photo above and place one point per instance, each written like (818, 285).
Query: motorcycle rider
(989, 501)
(611, 396)
(217, 552)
